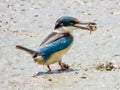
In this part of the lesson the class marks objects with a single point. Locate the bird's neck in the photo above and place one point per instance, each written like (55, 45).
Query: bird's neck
(64, 30)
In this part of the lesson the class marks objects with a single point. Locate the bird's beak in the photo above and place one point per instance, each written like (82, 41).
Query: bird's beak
(86, 26)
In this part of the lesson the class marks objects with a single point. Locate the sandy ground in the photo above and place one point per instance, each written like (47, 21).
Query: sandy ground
(94, 59)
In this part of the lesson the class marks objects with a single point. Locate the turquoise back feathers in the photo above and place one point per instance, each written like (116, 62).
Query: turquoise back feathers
(55, 46)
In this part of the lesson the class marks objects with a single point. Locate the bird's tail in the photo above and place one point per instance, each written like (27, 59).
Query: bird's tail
(32, 52)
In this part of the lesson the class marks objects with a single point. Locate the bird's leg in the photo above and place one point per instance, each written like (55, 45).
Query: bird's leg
(49, 68)
(62, 68)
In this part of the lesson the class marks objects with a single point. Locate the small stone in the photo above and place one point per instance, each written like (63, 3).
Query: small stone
(11, 18)
(8, 6)
(76, 73)
(84, 76)
(22, 9)
(89, 14)
(6, 22)
(111, 12)
(86, 69)
(49, 79)
(14, 21)
(108, 66)
(36, 15)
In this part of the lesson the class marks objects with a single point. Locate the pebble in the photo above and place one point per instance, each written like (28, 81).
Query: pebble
(49, 79)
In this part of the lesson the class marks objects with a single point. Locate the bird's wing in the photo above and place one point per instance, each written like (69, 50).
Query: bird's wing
(51, 37)
(56, 45)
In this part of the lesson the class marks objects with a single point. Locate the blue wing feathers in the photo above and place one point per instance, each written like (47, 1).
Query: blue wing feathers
(55, 46)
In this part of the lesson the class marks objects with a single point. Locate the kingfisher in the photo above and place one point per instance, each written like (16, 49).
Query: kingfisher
(57, 43)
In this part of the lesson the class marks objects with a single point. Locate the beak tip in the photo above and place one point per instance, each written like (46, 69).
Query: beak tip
(92, 26)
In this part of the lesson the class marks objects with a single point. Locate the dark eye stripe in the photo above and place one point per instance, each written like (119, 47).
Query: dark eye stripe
(68, 24)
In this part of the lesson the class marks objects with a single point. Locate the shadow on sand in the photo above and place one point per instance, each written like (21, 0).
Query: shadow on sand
(55, 72)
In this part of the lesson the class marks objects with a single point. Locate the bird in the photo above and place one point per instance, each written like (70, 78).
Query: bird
(57, 43)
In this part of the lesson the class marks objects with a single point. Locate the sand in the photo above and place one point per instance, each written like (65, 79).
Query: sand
(94, 59)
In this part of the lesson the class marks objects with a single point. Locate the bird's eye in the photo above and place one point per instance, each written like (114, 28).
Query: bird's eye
(74, 22)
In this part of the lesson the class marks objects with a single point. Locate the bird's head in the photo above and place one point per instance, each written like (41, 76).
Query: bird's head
(68, 24)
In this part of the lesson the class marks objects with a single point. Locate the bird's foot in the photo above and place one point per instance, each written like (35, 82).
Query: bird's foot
(64, 67)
